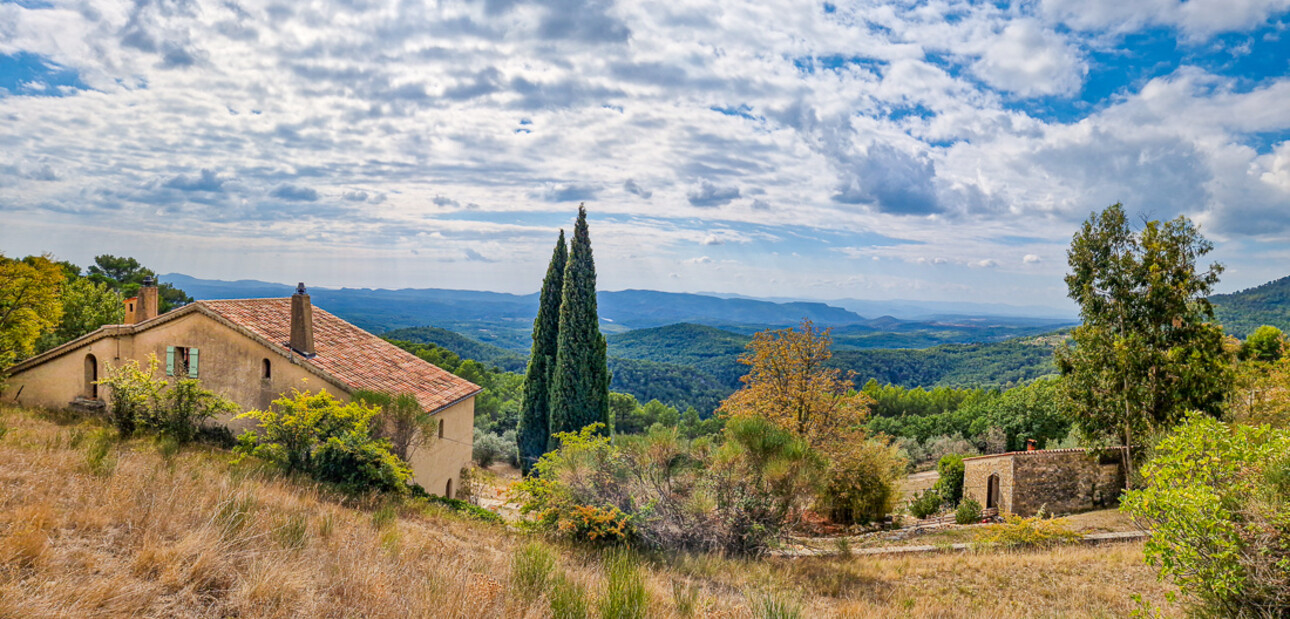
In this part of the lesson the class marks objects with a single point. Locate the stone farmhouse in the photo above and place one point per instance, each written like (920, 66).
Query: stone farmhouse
(1061, 481)
(253, 351)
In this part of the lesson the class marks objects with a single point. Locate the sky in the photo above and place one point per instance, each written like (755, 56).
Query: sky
(930, 150)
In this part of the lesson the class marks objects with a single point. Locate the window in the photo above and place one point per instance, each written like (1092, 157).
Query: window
(447, 491)
(268, 371)
(181, 361)
(440, 428)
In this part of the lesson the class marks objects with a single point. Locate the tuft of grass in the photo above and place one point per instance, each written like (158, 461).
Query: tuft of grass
(233, 514)
(4, 429)
(568, 598)
(685, 596)
(75, 438)
(98, 453)
(293, 533)
(843, 546)
(625, 596)
(385, 516)
(326, 525)
(775, 605)
(532, 567)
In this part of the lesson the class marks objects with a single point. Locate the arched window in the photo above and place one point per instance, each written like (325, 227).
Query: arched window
(447, 492)
(91, 376)
(440, 428)
(268, 370)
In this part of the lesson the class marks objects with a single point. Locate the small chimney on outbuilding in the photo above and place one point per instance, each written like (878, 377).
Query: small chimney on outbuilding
(1032, 445)
(145, 305)
(302, 322)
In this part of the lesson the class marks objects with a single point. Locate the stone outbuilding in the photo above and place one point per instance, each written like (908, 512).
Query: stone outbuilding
(1061, 481)
(253, 351)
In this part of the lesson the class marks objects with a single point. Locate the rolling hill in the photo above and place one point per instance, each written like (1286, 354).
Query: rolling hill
(1242, 312)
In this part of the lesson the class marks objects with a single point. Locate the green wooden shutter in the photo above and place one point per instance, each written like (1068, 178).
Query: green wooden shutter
(192, 363)
(170, 361)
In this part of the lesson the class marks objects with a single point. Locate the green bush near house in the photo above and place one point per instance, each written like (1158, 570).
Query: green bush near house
(317, 435)
(950, 484)
(968, 512)
(926, 503)
(1216, 498)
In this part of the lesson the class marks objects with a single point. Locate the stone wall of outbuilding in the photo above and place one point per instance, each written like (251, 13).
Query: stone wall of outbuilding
(1059, 481)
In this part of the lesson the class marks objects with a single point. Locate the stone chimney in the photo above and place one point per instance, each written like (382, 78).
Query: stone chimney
(302, 322)
(145, 305)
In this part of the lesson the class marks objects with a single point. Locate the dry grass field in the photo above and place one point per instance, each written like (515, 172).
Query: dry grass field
(91, 529)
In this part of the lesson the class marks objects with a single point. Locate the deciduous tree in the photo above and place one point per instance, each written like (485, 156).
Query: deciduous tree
(790, 384)
(30, 305)
(1147, 350)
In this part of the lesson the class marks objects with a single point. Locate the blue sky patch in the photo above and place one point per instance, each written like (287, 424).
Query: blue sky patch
(34, 75)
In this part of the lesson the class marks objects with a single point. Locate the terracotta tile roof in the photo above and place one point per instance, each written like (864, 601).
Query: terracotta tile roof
(1038, 452)
(349, 354)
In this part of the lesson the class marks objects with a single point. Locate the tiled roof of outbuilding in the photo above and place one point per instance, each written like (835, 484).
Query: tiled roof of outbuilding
(351, 355)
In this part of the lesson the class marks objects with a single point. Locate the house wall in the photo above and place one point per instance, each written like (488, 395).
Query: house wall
(231, 364)
(976, 476)
(441, 460)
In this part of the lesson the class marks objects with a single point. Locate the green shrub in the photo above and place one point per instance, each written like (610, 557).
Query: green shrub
(356, 462)
(625, 596)
(860, 481)
(663, 491)
(568, 598)
(318, 435)
(968, 512)
(1038, 531)
(135, 391)
(1216, 498)
(458, 505)
(179, 409)
(950, 484)
(532, 569)
(925, 503)
(182, 408)
(489, 448)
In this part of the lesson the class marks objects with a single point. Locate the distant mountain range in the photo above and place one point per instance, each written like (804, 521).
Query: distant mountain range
(1242, 312)
(506, 320)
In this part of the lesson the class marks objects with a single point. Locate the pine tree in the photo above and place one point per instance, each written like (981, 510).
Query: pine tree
(535, 428)
(580, 385)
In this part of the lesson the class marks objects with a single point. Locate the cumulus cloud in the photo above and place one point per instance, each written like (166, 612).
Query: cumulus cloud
(708, 194)
(873, 119)
(206, 180)
(295, 193)
(630, 186)
(711, 239)
(1031, 259)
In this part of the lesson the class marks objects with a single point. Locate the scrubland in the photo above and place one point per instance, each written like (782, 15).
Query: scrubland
(91, 527)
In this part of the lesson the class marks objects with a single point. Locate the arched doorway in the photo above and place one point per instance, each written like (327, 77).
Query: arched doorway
(992, 492)
(447, 492)
(91, 377)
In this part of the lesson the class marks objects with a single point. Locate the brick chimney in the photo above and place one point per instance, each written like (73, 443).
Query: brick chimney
(1032, 445)
(145, 305)
(302, 322)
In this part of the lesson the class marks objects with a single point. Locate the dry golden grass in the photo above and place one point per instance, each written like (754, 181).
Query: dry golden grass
(196, 536)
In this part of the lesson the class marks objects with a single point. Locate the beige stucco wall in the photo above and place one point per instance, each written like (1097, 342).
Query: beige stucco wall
(231, 364)
(441, 460)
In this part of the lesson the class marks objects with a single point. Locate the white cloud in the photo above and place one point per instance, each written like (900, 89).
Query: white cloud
(1031, 259)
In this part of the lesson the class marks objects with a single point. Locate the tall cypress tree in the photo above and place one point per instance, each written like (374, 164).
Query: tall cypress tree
(580, 384)
(535, 427)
